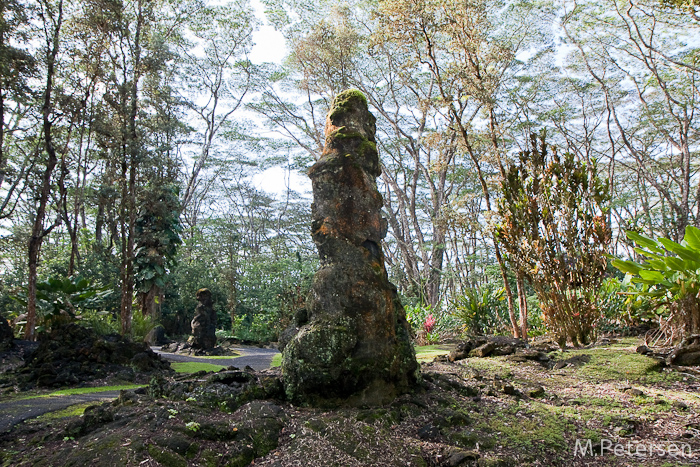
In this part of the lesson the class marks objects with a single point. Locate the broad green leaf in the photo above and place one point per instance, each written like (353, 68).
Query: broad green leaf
(655, 276)
(658, 264)
(644, 241)
(676, 264)
(684, 252)
(692, 237)
(648, 253)
(628, 267)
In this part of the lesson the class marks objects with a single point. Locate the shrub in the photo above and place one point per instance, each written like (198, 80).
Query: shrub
(62, 300)
(141, 325)
(553, 229)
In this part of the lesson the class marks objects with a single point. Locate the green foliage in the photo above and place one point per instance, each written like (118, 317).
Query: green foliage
(445, 324)
(669, 277)
(553, 228)
(194, 367)
(482, 310)
(62, 300)
(102, 322)
(157, 236)
(259, 327)
(141, 325)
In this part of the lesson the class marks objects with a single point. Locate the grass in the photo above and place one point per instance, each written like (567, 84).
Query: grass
(71, 391)
(276, 360)
(194, 367)
(218, 357)
(612, 364)
(72, 411)
(428, 352)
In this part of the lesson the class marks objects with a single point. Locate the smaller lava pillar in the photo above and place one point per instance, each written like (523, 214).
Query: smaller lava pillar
(355, 348)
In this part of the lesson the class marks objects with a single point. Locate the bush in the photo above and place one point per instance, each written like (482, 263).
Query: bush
(141, 325)
(62, 300)
(554, 231)
(258, 327)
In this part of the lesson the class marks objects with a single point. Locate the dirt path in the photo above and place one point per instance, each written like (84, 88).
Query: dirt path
(14, 412)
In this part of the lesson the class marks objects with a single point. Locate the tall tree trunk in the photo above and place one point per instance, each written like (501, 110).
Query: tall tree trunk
(38, 231)
(129, 191)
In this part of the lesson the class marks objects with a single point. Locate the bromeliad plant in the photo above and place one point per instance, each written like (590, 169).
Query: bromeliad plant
(481, 310)
(670, 278)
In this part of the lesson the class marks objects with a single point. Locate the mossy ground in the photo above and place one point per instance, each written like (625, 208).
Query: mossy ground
(464, 407)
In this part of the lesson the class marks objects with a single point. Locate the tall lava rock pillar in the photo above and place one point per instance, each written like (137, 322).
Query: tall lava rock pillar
(355, 346)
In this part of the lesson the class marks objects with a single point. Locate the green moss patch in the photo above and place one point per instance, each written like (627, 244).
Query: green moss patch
(276, 360)
(72, 411)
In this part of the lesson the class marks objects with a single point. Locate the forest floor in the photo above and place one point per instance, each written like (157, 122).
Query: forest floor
(601, 406)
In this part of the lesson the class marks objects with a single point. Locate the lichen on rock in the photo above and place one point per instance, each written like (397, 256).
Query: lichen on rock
(355, 348)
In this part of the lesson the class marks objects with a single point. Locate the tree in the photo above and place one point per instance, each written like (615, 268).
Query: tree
(553, 228)
(16, 67)
(157, 240)
(639, 57)
(218, 79)
(52, 18)
(469, 49)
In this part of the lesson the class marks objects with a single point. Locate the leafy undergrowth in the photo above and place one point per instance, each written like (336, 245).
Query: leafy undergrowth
(485, 412)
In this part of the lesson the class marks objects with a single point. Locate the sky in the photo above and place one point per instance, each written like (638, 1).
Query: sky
(270, 47)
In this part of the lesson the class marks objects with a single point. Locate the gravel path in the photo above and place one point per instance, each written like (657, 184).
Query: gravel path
(14, 412)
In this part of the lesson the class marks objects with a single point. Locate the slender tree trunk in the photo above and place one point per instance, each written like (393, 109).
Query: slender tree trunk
(147, 301)
(38, 232)
(522, 304)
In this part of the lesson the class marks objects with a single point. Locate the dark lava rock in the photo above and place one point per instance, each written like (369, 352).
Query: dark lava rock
(355, 348)
(429, 432)
(492, 346)
(6, 335)
(204, 322)
(680, 405)
(71, 354)
(227, 389)
(463, 458)
(634, 392)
